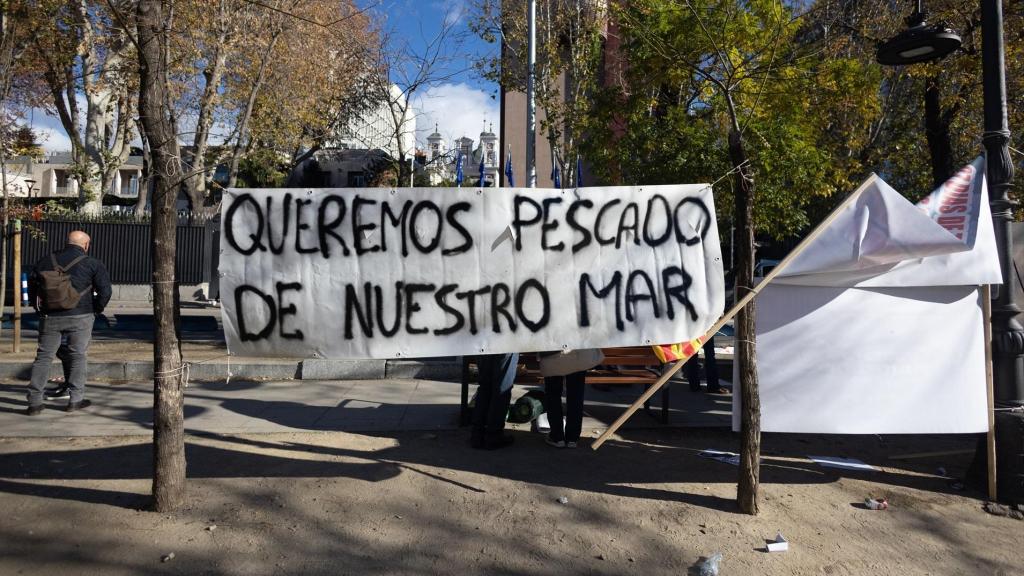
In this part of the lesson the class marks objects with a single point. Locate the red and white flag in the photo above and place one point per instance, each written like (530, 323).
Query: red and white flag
(956, 204)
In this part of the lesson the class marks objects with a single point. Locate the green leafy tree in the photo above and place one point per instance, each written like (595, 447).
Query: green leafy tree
(717, 88)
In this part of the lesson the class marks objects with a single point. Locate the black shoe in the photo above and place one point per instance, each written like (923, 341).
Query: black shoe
(62, 391)
(72, 406)
(34, 410)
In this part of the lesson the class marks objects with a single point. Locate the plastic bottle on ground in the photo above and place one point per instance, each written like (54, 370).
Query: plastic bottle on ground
(709, 567)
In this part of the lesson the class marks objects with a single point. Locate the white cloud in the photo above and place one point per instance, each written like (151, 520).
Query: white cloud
(50, 134)
(458, 110)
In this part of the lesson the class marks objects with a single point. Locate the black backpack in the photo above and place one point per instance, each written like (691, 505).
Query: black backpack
(55, 286)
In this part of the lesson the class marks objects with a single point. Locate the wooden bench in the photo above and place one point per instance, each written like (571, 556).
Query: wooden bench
(630, 365)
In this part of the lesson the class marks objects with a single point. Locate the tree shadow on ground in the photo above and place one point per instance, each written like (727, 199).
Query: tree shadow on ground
(135, 461)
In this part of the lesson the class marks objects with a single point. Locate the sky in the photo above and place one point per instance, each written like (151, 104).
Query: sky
(459, 106)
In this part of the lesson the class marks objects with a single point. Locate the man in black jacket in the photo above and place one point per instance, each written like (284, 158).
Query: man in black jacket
(90, 279)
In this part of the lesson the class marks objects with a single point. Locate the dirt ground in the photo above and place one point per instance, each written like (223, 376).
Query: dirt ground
(424, 503)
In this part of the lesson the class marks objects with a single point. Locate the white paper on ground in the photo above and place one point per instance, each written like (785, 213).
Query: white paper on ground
(542, 423)
(727, 457)
(779, 545)
(845, 463)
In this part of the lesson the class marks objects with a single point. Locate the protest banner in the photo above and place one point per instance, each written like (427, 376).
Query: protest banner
(416, 272)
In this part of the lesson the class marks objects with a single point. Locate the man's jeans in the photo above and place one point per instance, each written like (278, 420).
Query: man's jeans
(497, 373)
(78, 330)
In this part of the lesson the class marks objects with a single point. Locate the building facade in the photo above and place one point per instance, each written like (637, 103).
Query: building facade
(441, 159)
(52, 176)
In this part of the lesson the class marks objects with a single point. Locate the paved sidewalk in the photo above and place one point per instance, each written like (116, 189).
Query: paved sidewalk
(240, 406)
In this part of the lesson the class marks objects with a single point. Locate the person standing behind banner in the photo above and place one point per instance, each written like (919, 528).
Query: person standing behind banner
(710, 370)
(568, 368)
(497, 372)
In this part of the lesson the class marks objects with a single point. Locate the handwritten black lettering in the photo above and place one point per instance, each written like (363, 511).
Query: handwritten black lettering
(441, 297)
(229, 225)
(679, 292)
(703, 225)
(362, 313)
(286, 206)
(412, 306)
(300, 226)
(585, 285)
(518, 223)
(241, 306)
(549, 226)
(358, 238)
(575, 225)
(545, 314)
(389, 331)
(633, 296)
(399, 221)
(288, 310)
(597, 223)
(326, 228)
(417, 229)
(467, 239)
(501, 297)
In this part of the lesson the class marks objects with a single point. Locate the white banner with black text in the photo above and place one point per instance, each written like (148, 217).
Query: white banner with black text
(416, 272)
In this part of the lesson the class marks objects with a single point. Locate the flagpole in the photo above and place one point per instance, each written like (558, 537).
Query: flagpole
(990, 444)
(531, 104)
(754, 291)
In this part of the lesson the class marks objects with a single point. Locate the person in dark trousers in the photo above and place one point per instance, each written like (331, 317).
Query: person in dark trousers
(568, 436)
(710, 370)
(63, 388)
(497, 373)
(90, 280)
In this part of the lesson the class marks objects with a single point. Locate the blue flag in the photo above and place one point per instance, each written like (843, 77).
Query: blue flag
(508, 170)
(458, 168)
(579, 172)
(482, 181)
(556, 175)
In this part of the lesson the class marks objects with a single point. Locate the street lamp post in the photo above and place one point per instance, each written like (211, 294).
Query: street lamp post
(1007, 332)
(920, 43)
(31, 183)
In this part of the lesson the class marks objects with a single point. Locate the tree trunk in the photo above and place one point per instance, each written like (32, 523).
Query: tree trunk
(3, 235)
(750, 420)
(242, 141)
(936, 127)
(195, 188)
(147, 176)
(168, 400)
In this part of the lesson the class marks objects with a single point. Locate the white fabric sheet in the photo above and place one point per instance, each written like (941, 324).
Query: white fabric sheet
(876, 328)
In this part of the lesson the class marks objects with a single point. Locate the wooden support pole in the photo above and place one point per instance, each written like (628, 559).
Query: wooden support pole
(986, 314)
(735, 310)
(16, 283)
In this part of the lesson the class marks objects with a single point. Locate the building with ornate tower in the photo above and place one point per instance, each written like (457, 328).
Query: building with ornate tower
(441, 157)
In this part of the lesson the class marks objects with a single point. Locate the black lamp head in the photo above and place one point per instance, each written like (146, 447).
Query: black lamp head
(919, 43)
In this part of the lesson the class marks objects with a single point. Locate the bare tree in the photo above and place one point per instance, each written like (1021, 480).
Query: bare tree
(87, 53)
(400, 73)
(14, 38)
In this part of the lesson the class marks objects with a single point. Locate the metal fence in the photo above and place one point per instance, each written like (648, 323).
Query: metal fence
(124, 247)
